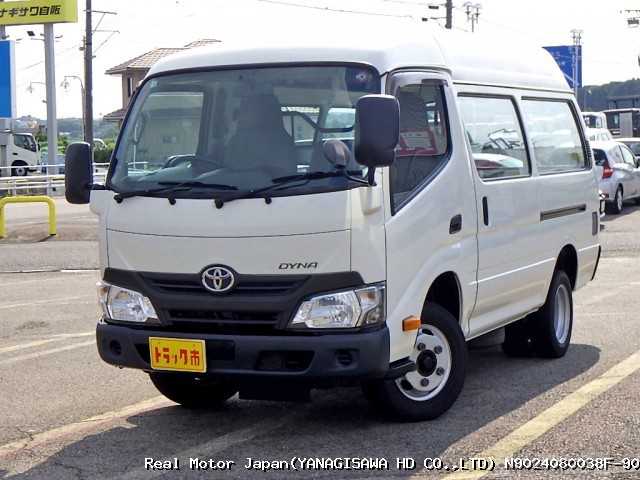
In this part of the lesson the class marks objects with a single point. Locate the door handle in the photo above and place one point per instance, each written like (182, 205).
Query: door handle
(456, 224)
(485, 211)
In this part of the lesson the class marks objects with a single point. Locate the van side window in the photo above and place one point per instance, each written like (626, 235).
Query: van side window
(423, 143)
(495, 134)
(554, 135)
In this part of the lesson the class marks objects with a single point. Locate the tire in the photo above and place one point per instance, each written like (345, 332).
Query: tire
(19, 169)
(191, 392)
(618, 202)
(637, 200)
(553, 323)
(442, 360)
(518, 339)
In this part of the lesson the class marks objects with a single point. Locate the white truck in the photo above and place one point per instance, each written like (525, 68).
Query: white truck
(22, 154)
(237, 257)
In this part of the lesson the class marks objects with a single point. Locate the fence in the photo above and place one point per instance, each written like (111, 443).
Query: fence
(48, 182)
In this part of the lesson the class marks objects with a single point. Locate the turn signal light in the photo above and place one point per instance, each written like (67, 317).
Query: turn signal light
(411, 323)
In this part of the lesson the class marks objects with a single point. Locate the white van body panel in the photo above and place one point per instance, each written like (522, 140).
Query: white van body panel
(404, 44)
(419, 245)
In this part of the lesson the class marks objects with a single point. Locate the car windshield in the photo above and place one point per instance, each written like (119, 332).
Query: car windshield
(245, 129)
(634, 146)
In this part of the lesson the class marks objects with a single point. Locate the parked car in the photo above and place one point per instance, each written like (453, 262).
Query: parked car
(633, 144)
(618, 174)
(441, 221)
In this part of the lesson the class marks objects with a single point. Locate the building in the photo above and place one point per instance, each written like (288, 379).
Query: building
(134, 70)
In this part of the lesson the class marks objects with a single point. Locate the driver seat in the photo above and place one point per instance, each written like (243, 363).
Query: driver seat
(261, 141)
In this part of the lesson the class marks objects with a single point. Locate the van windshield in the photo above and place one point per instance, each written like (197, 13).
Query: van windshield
(242, 130)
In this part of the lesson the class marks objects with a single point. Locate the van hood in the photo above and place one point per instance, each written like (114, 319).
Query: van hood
(298, 234)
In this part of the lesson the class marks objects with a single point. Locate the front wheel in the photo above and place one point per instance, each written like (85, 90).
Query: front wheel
(440, 353)
(192, 392)
(20, 169)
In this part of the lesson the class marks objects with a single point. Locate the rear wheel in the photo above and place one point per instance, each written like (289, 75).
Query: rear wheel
(546, 332)
(193, 392)
(440, 353)
(618, 202)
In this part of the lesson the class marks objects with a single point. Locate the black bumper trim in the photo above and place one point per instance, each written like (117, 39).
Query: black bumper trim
(334, 356)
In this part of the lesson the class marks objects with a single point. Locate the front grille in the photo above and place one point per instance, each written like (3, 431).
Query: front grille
(223, 322)
(191, 284)
(213, 316)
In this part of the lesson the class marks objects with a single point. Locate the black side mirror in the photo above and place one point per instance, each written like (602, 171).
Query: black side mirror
(377, 131)
(78, 167)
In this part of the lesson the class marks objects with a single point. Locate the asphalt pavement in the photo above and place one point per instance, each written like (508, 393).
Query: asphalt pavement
(65, 414)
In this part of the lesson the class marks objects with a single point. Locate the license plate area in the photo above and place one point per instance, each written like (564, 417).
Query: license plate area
(178, 354)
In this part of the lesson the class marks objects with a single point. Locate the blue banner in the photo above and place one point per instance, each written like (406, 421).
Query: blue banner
(565, 55)
(7, 84)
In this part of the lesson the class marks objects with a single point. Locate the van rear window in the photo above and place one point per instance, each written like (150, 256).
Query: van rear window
(599, 156)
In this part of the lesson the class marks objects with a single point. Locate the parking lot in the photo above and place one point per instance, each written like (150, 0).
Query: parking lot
(65, 414)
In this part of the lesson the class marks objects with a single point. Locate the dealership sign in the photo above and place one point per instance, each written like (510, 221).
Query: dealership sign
(38, 11)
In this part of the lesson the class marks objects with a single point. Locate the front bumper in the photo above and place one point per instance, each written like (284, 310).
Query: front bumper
(361, 355)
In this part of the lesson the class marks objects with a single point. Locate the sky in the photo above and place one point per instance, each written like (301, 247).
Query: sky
(610, 48)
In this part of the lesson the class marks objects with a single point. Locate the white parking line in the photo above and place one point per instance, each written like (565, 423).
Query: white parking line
(219, 444)
(31, 356)
(37, 343)
(82, 426)
(51, 301)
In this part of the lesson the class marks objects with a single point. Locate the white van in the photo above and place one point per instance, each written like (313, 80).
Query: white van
(249, 246)
(22, 154)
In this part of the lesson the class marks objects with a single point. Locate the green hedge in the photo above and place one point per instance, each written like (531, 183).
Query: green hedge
(102, 156)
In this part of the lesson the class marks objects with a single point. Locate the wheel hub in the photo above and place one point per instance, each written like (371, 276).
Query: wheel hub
(432, 356)
(427, 363)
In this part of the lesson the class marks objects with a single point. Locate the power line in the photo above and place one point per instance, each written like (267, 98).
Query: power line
(337, 10)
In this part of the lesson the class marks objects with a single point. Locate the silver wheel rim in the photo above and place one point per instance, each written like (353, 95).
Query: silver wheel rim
(562, 314)
(432, 353)
(20, 171)
(619, 199)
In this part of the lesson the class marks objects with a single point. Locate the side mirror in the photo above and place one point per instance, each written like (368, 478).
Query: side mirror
(78, 179)
(377, 131)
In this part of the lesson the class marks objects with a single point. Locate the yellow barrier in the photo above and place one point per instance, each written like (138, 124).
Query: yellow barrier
(32, 199)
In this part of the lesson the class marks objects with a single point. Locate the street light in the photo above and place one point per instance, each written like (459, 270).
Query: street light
(65, 85)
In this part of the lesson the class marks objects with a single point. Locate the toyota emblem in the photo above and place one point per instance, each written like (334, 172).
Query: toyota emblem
(218, 279)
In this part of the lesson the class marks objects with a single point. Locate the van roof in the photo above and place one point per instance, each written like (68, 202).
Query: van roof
(471, 58)
(605, 145)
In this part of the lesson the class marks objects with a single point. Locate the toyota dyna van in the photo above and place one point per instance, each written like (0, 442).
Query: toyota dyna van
(278, 219)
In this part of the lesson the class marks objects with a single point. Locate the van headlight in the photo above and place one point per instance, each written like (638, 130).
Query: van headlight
(347, 309)
(124, 305)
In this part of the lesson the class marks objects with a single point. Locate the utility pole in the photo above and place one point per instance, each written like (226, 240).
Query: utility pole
(577, 42)
(50, 79)
(88, 77)
(449, 7)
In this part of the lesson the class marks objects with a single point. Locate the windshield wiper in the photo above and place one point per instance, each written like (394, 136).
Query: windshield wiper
(284, 182)
(172, 187)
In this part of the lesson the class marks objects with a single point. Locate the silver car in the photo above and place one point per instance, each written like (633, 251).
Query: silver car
(618, 173)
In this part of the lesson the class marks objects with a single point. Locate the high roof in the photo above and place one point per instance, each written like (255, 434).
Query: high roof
(474, 58)
(148, 59)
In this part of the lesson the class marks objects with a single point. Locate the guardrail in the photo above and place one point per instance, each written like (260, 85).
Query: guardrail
(48, 183)
(28, 199)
